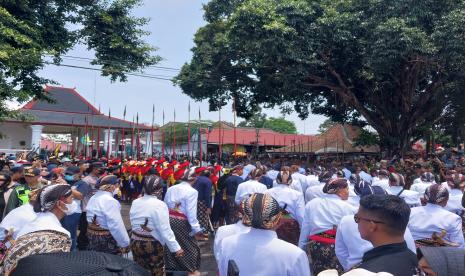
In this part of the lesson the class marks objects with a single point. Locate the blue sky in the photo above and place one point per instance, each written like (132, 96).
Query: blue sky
(173, 24)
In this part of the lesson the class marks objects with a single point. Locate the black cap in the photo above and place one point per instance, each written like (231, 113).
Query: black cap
(32, 172)
(78, 263)
(17, 169)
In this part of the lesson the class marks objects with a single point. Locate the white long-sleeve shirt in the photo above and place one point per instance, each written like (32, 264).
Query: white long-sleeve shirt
(412, 198)
(247, 188)
(43, 221)
(157, 215)
(350, 247)
(227, 231)
(293, 200)
(186, 196)
(301, 180)
(260, 252)
(322, 214)
(16, 219)
(420, 186)
(108, 212)
(383, 183)
(425, 220)
(454, 204)
(315, 191)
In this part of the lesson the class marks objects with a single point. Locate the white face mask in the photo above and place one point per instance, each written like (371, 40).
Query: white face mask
(116, 192)
(70, 208)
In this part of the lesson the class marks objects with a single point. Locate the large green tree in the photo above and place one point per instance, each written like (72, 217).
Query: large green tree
(32, 31)
(390, 64)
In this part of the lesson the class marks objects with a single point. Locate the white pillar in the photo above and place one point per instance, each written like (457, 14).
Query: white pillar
(36, 136)
(108, 136)
(148, 143)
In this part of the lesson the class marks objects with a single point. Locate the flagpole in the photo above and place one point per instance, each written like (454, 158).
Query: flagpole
(219, 132)
(234, 114)
(163, 135)
(138, 137)
(98, 136)
(151, 131)
(108, 145)
(200, 139)
(84, 145)
(123, 138)
(72, 139)
(132, 137)
(174, 134)
(189, 131)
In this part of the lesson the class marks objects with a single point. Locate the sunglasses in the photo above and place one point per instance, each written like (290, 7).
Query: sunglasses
(357, 219)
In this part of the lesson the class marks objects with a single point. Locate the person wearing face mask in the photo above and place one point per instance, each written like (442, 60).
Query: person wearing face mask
(80, 190)
(321, 217)
(19, 196)
(106, 231)
(45, 233)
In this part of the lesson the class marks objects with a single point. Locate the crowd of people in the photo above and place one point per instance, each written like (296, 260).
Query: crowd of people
(402, 216)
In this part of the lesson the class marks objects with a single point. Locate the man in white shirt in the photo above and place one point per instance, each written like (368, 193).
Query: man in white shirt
(433, 219)
(259, 251)
(151, 229)
(106, 230)
(181, 200)
(382, 179)
(245, 189)
(321, 217)
(227, 231)
(299, 181)
(350, 247)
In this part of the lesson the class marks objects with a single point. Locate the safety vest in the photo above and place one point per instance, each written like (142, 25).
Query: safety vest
(23, 194)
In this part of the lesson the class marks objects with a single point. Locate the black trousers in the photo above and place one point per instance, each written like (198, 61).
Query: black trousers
(82, 240)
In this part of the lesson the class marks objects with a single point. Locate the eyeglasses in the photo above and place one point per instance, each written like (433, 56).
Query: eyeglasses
(357, 219)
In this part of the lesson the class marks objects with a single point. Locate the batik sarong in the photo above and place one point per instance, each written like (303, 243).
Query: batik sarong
(232, 215)
(436, 240)
(288, 229)
(34, 243)
(322, 252)
(101, 240)
(147, 252)
(182, 231)
(203, 217)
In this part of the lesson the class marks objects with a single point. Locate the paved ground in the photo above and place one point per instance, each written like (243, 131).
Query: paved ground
(208, 265)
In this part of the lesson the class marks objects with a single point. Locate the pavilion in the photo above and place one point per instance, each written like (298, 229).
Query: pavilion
(69, 113)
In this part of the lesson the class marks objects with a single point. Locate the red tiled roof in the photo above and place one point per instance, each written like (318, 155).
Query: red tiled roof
(248, 136)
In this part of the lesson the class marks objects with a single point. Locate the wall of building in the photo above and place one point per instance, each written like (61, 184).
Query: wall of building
(15, 136)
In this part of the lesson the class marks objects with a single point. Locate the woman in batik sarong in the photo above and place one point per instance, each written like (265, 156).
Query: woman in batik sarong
(182, 204)
(106, 231)
(45, 233)
(322, 215)
(151, 228)
(292, 205)
(432, 225)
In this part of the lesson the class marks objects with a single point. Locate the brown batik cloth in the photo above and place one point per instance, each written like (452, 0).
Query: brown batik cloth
(182, 230)
(203, 217)
(321, 248)
(147, 252)
(101, 240)
(47, 241)
(288, 229)
(436, 240)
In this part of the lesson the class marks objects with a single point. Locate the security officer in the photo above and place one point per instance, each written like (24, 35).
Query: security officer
(20, 194)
